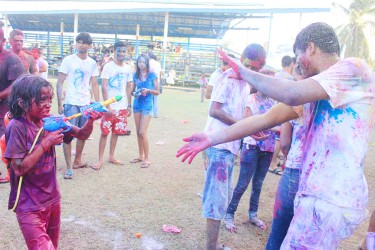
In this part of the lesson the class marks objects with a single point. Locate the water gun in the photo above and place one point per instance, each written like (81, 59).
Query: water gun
(56, 122)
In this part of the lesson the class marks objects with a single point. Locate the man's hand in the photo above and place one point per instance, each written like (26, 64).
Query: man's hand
(195, 144)
(233, 63)
(129, 109)
(260, 136)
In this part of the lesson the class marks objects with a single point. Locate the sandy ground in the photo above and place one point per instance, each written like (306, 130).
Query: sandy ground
(105, 209)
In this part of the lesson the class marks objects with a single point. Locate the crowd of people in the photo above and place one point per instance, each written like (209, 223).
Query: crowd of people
(309, 111)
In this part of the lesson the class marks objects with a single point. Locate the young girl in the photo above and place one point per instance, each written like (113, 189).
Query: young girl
(37, 200)
(145, 86)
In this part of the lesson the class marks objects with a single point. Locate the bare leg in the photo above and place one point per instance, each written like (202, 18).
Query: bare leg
(212, 231)
(78, 158)
(112, 147)
(102, 143)
(371, 228)
(137, 121)
(273, 164)
(68, 155)
(144, 124)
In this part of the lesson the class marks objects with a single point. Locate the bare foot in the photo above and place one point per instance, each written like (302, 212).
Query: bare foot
(97, 165)
(81, 165)
(115, 162)
(229, 225)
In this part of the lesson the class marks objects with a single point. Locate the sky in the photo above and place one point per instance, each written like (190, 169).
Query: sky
(285, 28)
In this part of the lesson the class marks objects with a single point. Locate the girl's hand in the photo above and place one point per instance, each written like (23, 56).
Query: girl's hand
(52, 139)
(144, 91)
(95, 115)
(196, 143)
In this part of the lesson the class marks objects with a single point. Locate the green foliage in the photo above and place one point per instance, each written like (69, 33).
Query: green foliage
(353, 32)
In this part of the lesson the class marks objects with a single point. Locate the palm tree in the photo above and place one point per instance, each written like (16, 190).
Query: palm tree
(352, 33)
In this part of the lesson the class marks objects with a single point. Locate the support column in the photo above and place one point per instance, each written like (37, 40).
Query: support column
(165, 38)
(62, 37)
(136, 42)
(6, 34)
(75, 33)
(269, 36)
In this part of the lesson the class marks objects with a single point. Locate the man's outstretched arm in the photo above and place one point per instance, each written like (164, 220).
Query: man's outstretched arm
(278, 114)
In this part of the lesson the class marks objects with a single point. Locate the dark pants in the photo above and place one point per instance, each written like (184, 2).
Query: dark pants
(254, 164)
(283, 210)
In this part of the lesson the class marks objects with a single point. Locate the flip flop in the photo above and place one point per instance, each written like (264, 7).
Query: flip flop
(145, 164)
(136, 160)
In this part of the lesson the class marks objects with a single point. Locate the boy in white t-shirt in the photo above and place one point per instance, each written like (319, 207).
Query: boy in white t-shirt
(117, 80)
(80, 72)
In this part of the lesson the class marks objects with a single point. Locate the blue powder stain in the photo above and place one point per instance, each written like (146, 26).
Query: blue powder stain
(324, 110)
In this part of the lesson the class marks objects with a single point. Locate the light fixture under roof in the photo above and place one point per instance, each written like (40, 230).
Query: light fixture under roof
(33, 21)
(103, 23)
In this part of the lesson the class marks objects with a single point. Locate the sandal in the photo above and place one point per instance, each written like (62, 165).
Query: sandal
(68, 174)
(136, 160)
(257, 222)
(145, 164)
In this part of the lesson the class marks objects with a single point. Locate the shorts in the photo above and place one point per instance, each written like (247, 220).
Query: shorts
(218, 186)
(116, 123)
(318, 224)
(70, 109)
(143, 112)
(41, 229)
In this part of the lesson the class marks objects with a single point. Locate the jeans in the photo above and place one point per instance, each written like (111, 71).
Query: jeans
(218, 185)
(254, 164)
(283, 210)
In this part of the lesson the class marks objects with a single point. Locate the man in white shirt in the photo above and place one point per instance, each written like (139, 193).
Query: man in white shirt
(80, 71)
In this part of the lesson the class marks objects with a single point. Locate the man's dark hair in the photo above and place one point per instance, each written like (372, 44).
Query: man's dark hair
(322, 35)
(151, 55)
(27, 88)
(254, 52)
(16, 32)
(85, 37)
(286, 61)
(230, 55)
(119, 44)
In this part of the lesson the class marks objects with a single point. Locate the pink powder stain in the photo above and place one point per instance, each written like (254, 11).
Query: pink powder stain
(276, 207)
(221, 173)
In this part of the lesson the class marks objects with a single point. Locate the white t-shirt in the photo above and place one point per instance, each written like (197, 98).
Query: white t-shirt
(118, 78)
(41, 62)
(294, 157)
(337, 135)
(258, 105)
(155, 67)
(232, 94)
(79, 73)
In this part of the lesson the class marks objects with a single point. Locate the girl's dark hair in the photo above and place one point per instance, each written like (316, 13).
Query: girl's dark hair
(147, 60)
(26, 89)
(322, 35)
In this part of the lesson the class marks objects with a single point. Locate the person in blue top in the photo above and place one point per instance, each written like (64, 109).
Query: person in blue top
(146, 85)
